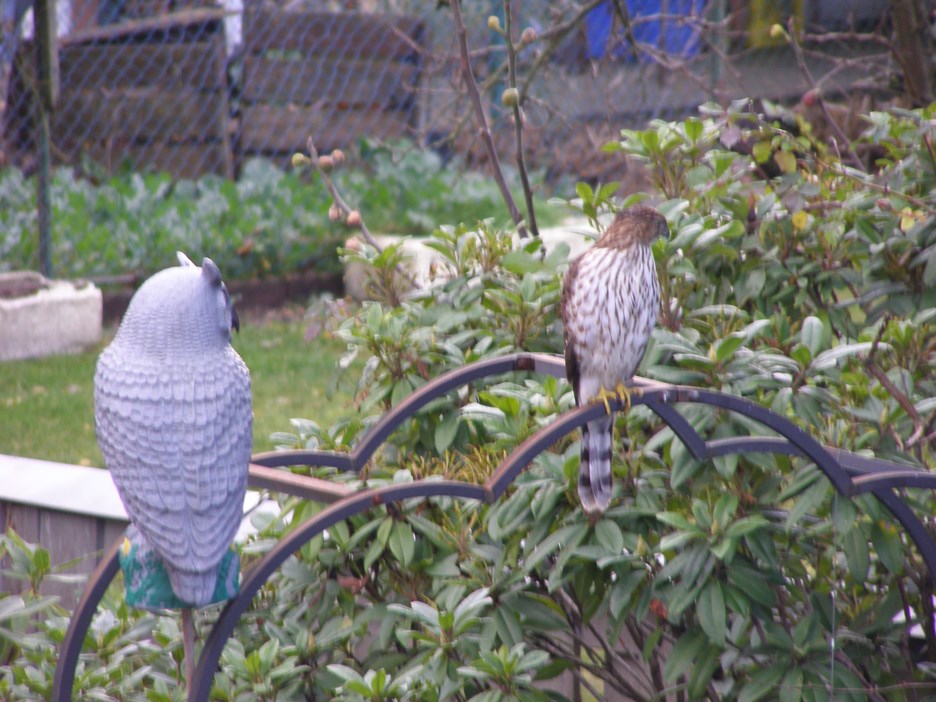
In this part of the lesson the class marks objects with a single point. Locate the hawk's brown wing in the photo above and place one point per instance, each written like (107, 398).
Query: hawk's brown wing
(566, 312)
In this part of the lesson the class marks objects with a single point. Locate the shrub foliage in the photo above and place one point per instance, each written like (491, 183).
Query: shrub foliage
(742, 578)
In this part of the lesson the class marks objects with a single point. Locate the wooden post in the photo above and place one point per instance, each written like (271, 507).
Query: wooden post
(47, 72)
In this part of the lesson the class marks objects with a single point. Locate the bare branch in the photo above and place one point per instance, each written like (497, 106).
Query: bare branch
(553, 37)
(518, 119)
(905, 403)
(804, 69)
(346, 210)
(461, 33)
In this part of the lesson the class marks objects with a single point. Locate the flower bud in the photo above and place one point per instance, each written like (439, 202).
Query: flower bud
(494, 23)
(354, 218)
(528, 36)
(338, 157)
(326, 163)
(334, 212)
(299, 159)
(510, 97)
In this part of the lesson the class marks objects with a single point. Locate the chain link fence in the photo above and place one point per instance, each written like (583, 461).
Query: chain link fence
(193, 87)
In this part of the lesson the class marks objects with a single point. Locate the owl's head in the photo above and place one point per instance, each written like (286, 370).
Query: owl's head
(217, 291)
(185, 309)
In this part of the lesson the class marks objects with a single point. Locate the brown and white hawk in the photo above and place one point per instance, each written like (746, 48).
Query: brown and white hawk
(610, 301)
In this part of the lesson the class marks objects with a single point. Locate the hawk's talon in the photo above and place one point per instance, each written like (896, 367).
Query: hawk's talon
(622, 393)
(604, 396)
(627, 393)
(624, 396)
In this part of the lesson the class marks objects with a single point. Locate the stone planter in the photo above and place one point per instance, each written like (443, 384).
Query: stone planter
(40, 317)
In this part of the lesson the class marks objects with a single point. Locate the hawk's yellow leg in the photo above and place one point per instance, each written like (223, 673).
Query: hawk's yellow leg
(621, 393)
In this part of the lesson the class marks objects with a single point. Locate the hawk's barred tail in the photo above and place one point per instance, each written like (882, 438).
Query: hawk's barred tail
(594, 485)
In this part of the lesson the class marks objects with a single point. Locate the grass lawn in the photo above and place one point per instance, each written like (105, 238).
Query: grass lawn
(47, 410)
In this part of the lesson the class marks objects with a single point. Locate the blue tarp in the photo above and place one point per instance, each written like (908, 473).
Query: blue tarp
(678, 38)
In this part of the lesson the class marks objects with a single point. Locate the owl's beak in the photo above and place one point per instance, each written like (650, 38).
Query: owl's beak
(235, 322)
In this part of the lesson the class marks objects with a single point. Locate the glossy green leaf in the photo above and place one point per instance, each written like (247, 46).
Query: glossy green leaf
(762, 683)
(446, 430)
(402, 543)
(791, 687)
(608, 534)
(701, 675)
(754, 584)
(712, 614)
(683, 655)
(857, 555)
(812, 334)
(887, 546)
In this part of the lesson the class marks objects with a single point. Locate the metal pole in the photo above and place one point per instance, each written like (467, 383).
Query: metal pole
(48, 84)
(43, 200)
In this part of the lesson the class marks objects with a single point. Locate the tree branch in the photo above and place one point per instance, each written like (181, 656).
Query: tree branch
(461, 34)
(346, 210)
(905, 403)
(518, 118)
(804, 69)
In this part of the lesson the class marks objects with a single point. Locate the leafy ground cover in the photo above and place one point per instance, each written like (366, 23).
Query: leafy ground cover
(268, 222)
(46, 405)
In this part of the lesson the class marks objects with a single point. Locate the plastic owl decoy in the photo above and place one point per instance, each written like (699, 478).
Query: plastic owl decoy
(174, 423)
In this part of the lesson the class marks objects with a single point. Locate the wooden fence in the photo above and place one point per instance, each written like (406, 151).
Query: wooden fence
(154, 93)
(151, 92)
(332, 76)
(71, 511)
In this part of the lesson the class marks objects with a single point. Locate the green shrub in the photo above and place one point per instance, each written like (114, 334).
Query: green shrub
(810, 293)
(135, 223)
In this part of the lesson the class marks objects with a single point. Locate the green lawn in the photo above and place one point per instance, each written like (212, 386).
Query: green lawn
(46, 405)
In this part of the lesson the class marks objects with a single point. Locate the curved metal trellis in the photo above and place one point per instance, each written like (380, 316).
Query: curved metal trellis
(850, 474)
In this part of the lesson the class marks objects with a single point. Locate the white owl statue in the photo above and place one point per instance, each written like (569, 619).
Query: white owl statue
(174, 422)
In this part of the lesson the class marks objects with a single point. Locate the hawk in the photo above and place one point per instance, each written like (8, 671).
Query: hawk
(610, 300)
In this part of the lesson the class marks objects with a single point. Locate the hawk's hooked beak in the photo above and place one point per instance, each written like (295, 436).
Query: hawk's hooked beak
(235, 322)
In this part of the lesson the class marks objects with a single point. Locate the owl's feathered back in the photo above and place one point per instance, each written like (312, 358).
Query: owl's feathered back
(174, 422)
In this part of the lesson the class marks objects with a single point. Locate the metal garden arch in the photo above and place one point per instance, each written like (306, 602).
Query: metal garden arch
(850, 474)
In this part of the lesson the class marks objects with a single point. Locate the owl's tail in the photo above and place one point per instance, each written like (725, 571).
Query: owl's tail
(594, 484)
(197, 589)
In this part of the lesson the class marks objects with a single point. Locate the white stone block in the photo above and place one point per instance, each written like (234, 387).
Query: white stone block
(47, 317)
(419, 258)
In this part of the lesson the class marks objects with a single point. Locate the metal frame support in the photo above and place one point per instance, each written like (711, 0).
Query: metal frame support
(850, 474)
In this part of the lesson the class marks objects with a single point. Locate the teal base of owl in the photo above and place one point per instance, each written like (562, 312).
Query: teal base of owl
(147, 581)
